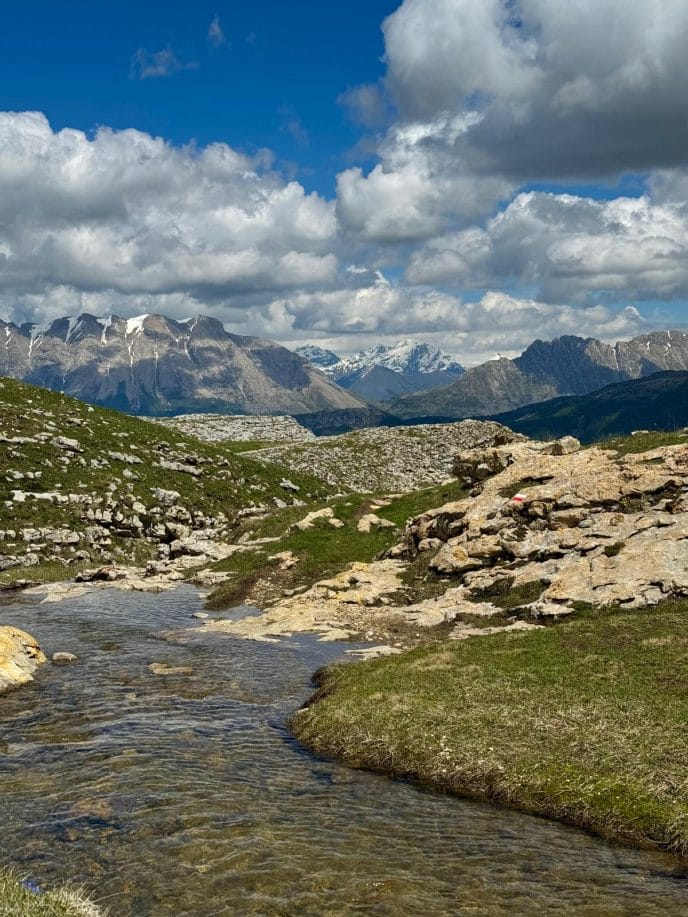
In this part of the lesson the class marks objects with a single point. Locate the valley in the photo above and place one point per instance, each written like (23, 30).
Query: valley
(433, 561)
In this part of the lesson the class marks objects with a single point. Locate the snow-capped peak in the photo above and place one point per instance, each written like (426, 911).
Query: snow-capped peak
(406, 357)
(318, 356)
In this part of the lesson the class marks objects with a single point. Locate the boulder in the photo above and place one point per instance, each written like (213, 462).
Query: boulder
(309, 520)
(567, 445)
(371, 521)
(20, 656)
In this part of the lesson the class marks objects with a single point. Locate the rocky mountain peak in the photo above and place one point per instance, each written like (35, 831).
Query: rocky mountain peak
(385, 371)
(153, 364)
(568, 365)
(408, 357)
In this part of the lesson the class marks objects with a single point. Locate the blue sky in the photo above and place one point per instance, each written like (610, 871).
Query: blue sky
(475, 173)
(273, 83)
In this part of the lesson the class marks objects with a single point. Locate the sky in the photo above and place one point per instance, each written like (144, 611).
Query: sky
(473, 173)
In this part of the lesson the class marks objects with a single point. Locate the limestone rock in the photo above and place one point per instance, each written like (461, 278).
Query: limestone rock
(564, 446)
(20, 656)
(308, 522)
(372, 521)
(67, 444)
(589, 525)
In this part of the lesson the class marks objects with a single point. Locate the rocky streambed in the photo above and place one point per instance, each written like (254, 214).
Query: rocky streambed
(157, 769)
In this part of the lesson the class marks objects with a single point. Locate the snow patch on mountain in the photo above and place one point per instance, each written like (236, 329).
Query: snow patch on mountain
(136, 324)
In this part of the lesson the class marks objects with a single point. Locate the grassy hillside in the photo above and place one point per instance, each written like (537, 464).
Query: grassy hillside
(64, 462)
(659, 402)
(322, 550)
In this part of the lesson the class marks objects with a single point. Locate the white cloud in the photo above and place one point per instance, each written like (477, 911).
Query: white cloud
(564, 87)
(567, 248)
(147, 65)
(128, 213)
(440, 53)
(418, 189)
(347, 321)
(488, 95)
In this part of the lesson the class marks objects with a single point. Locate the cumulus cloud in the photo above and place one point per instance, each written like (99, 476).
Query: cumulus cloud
(564, 87)
(567, 248)
(487, 96)
(153, 65)
(128, 213)
(418, 188)
(348, 320)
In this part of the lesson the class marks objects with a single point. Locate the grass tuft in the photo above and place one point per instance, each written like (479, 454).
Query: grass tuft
(18, 900)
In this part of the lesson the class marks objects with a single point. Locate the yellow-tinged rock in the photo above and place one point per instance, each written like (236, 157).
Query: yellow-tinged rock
(20, 655)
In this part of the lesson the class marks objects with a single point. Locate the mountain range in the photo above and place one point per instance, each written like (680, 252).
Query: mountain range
(155, 365)
(385, 372)
(568, 365)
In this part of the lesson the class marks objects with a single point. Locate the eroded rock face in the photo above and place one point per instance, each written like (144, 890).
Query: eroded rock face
(588, 526)
(20, 656)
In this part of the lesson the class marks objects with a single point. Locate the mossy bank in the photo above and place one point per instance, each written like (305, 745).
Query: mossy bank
(583, 722)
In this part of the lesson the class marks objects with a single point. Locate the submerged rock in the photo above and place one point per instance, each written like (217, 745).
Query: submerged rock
(161, 668)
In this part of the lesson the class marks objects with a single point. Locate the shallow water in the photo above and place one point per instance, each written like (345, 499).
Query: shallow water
(185, 795)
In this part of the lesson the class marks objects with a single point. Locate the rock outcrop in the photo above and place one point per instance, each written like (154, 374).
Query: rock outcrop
(387, 459)
(20, 656)
(561, 527)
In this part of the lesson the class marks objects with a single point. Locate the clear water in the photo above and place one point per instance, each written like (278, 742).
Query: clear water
(185, 795)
